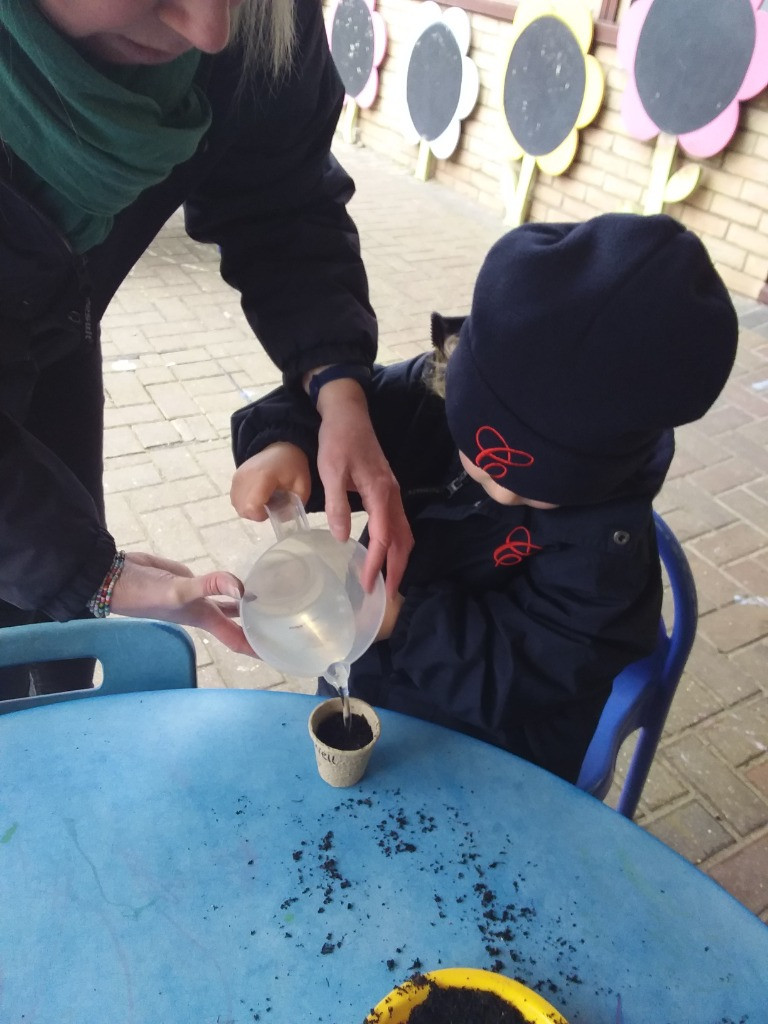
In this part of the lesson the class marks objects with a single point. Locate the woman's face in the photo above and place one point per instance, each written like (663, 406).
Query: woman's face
(142, 31)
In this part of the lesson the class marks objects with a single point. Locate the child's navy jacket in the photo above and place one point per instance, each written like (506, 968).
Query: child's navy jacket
(515, 620)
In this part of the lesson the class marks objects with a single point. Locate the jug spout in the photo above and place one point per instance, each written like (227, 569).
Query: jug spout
(286, 513)
(337, 675)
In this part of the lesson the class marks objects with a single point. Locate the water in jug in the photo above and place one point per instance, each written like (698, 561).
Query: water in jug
(304, 610)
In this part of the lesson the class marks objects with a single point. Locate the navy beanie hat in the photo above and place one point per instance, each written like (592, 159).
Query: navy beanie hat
(585, 342)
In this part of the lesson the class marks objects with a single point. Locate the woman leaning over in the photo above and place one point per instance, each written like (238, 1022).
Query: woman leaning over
(113, 114)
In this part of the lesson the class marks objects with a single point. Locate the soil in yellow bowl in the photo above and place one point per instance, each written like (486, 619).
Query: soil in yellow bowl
(459, 995)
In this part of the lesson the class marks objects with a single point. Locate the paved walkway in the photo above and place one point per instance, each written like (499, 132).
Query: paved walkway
(179, 358)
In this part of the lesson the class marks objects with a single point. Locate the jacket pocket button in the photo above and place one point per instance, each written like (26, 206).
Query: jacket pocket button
(621, 537)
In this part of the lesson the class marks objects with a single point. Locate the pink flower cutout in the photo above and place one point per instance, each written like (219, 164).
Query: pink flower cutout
(690, 63)
(357, 37)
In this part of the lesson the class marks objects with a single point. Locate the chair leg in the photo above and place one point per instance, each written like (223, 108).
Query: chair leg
(639, 766)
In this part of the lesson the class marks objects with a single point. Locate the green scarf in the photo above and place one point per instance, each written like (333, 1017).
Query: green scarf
(93, 138)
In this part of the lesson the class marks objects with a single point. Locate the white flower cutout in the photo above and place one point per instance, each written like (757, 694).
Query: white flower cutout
(441, 83)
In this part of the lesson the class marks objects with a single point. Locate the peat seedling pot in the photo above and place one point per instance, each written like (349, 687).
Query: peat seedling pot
(342, 754)
(458, 995)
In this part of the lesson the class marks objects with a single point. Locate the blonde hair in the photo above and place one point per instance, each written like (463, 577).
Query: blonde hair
(437, 363)
(266, 29)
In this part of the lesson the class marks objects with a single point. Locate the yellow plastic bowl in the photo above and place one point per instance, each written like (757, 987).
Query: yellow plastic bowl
(396, 1007)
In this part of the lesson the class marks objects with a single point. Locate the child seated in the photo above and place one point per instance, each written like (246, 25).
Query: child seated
(535, 576)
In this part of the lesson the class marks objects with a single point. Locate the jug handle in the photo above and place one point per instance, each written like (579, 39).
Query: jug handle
(286, 513)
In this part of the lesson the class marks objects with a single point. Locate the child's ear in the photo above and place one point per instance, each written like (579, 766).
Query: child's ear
(444, 327)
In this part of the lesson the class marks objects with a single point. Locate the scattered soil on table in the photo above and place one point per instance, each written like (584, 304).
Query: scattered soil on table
(334, 733)
(462, 1006)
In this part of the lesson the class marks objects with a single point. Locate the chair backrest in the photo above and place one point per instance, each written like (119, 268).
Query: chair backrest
(135, 654)
(643, 692)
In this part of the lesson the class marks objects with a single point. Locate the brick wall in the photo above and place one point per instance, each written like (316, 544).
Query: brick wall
(729, 208)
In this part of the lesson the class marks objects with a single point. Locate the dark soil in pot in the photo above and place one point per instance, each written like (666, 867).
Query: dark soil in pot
(461, 1006)
(334, 733)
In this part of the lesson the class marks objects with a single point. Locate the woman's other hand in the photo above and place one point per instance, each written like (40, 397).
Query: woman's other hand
(391, 613)
(350, 459)
(279, 467)
(158, 588)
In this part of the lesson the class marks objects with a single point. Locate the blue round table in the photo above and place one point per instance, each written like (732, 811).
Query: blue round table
(174, 858)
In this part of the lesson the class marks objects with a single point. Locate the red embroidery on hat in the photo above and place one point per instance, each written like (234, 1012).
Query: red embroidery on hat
(494, 455)
(515, 548)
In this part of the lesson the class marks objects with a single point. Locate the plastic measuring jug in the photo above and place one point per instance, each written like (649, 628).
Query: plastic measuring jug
(304, 610)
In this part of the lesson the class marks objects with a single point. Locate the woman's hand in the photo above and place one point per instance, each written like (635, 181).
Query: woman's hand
(158, 588)
(391, 613)
(350, 459)
(279, 467)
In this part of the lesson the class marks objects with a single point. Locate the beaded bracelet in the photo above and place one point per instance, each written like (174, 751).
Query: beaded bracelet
(99, 604)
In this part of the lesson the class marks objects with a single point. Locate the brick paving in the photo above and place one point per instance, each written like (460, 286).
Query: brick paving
(179, 358)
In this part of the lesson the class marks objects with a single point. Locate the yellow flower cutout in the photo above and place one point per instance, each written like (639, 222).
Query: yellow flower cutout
(552, 86)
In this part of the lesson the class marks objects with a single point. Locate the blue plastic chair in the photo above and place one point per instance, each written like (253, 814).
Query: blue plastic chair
(642, 693)
(135, 654)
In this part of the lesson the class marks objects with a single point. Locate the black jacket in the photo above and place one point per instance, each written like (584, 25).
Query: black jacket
(265, 189)
(515, 620)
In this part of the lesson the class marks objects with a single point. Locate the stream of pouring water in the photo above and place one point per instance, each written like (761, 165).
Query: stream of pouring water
(338, 676)
(345, 714)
